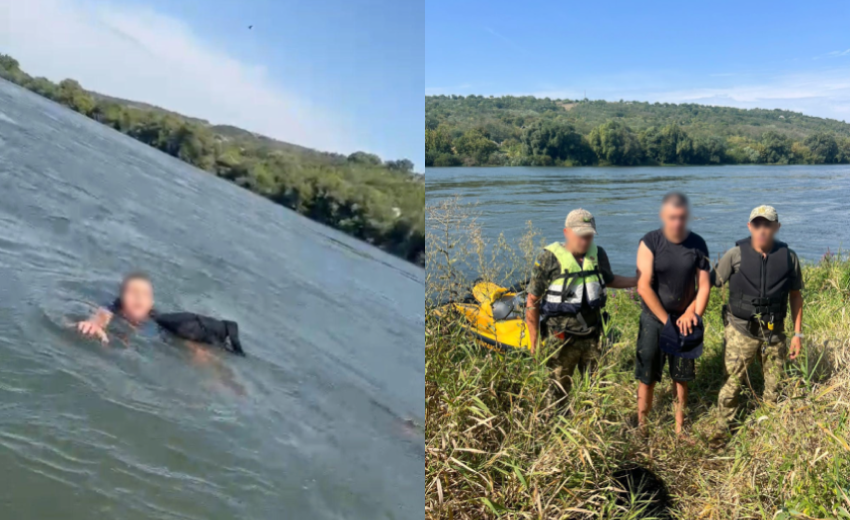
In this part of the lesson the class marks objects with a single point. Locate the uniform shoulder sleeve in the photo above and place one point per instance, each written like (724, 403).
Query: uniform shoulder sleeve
(728, 264)
(797, 277)
(605, 266)
(546, 268)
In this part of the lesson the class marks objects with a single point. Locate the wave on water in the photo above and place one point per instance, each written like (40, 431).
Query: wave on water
(7, 119)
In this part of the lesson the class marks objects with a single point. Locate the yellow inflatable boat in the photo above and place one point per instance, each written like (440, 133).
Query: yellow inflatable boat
(494, 316)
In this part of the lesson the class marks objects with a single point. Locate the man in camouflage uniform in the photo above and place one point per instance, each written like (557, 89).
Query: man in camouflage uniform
(763, 275)
(568, 287)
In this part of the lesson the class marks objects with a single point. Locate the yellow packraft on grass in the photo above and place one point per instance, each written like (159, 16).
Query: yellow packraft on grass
(494, 316)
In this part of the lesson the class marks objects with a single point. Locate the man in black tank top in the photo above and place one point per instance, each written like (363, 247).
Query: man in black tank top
(764, 275)
(674, 285)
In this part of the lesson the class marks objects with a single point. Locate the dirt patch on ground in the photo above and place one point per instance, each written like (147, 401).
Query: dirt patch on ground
(568, 106)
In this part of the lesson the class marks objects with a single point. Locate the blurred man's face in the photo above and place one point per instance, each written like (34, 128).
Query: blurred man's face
(137, 300)
(674, 219)
(578, 243)
(763, 231)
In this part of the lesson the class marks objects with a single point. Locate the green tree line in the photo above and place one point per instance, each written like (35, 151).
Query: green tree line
(380, 202)
(526, 131)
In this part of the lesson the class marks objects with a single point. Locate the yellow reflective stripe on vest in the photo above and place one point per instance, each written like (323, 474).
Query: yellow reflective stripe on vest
(577, 285)
(569, 264)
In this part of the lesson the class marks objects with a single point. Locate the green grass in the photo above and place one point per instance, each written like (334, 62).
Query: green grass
(502, 444)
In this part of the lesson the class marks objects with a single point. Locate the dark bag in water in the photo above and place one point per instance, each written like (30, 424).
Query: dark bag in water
(203, 329)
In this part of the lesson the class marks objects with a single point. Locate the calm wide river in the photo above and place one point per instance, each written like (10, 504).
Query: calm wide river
(322, 420)
(813, 202)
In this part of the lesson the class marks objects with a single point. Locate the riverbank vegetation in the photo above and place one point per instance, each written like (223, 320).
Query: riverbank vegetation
(377, 201)
(503, 443)
(526, 131)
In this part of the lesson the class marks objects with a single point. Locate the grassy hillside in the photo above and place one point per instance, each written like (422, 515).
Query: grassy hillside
(224, 132)
(145, 107)
(477, 130)
(502, 442)
(380, 202)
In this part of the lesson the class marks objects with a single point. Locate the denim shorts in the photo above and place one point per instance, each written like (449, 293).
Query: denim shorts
(650, 359)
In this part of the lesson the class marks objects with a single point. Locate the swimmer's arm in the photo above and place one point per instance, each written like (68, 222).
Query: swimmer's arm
(101, 317)
(96, 325)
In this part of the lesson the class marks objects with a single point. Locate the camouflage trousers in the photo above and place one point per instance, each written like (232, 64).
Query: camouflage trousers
(582, 352)
(740, 351)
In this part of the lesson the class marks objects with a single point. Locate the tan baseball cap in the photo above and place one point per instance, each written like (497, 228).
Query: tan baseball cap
(581, 222)
(766, 212)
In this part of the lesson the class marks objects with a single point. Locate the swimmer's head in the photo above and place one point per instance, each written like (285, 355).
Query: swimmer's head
(136, 298)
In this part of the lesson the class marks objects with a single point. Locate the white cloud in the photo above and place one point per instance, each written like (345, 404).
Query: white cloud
(822, 93)
(834, 54)
(136, 53)
(819, 93)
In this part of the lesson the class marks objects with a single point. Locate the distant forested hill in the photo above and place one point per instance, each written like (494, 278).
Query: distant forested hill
(380, 202)
(517, 131)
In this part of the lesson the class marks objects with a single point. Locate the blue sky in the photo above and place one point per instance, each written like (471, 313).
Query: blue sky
(793, 55)
(336, 75)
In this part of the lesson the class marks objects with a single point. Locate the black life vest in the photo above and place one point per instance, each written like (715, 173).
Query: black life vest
(761, 286)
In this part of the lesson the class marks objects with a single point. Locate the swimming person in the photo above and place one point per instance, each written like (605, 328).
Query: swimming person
(567, 290)
(764, 276)
(674, 285)
(135, 304)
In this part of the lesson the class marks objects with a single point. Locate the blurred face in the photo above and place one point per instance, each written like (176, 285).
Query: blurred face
(674, 219)
(577, 243)
(137, 300)
(763, 231)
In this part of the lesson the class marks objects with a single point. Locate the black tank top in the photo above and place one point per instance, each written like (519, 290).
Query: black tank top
(675, 268)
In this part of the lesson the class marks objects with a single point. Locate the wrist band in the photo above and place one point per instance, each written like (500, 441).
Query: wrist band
(798, 335)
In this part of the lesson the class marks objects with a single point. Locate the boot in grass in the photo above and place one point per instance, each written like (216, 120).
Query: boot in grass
(718, 435)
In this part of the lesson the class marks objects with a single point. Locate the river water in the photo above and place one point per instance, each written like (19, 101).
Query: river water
(813, 202)
(322, 420)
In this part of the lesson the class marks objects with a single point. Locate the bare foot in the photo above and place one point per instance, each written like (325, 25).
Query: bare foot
(634, 423)
(685, 438)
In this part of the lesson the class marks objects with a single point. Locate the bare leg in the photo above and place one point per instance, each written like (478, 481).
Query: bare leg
(224, 375)
(681, 403)
(645, 394)
(200, 353)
